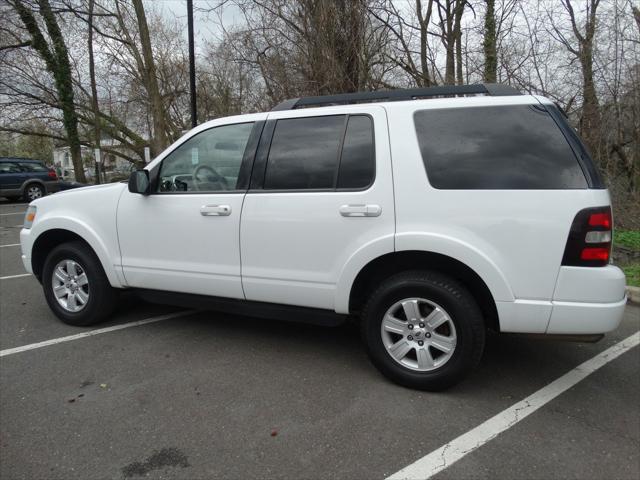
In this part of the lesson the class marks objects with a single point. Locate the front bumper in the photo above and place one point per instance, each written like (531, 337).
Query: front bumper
(25, 249)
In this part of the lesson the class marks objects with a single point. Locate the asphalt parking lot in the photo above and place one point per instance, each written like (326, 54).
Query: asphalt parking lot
(208, 395)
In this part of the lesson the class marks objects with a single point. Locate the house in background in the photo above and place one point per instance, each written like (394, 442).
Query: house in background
(113, 165)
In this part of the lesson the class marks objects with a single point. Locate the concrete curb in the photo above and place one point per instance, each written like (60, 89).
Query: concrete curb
(633, 294)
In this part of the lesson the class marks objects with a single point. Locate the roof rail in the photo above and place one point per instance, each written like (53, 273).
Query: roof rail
(493, 89)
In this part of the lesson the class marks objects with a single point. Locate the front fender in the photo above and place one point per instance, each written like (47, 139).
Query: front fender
(105, 251)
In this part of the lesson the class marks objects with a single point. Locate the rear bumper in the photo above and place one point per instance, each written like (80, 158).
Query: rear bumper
(52, 187)
(588, 300)
(585, 318)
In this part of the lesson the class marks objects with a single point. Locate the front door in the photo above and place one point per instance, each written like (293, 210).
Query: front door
(184, 236)
(11, 178)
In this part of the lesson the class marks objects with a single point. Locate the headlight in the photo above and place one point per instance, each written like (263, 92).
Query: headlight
(30, 216)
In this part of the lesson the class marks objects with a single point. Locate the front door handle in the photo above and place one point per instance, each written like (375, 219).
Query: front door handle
(215, 210)
(360, 210)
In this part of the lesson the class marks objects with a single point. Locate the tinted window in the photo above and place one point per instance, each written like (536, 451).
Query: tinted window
(32, 167)
(357, 164)
(304, 153)
(8, 167)
(209, 161)
(506, 147)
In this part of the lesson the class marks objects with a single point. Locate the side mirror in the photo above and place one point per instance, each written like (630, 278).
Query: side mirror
(139, 182)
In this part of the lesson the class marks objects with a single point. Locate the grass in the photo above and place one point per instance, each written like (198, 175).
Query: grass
(627, 238)
(633, 274)
(630, 239)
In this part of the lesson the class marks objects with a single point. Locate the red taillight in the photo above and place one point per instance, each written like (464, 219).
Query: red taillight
(601, 254)
(600, 220)
(589, 242)
(52, 174)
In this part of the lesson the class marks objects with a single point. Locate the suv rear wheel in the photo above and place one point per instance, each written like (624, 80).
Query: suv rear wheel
(33, 191)
(423, 330)
(75, 285)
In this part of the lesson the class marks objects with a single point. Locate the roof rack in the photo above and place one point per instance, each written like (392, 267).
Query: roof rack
(492, 89)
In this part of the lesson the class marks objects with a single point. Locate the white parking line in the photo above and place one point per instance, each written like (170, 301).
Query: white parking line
(15, 205)
(91, 333)
(453, 451)
(16, 213)
(10, 245)
(16, 276)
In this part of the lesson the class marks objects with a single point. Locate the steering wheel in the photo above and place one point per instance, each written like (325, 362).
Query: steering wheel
(212, 176)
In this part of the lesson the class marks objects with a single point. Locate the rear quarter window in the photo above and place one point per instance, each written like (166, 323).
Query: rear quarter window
(501, 147)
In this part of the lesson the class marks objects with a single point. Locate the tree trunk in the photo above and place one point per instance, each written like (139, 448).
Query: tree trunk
(450, 42)
(94, 89)
(590, 122)
(457, 28)
(424, 20)
(159, 140)
(56, 58)
(489, 44)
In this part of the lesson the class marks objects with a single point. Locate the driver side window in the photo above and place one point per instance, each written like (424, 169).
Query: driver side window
(208, 162)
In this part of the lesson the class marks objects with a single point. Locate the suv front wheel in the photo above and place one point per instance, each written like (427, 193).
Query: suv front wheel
(423, 330)
(75, 285)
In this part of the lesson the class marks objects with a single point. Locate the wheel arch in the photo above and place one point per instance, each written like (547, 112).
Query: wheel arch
(31, 181)
(391, 263)
(47, 240)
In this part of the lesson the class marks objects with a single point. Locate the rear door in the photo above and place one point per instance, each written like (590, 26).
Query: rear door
(36, 171)
(321, 189)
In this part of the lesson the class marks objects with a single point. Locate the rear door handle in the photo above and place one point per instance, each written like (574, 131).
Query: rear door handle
(215, 210)
(360, 210)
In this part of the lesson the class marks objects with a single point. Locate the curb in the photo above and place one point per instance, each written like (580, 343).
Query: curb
(633, 294)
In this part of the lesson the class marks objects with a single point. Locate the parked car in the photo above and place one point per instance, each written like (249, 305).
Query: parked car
(26, 178)
(431, 215)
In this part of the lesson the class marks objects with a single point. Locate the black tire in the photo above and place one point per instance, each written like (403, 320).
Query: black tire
(462, 310)
(32, 192)
(102, 296)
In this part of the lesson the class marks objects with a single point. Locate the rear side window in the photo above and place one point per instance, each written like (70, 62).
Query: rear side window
(502, 147)
(357, 164)
(32, 167)
(321, 153)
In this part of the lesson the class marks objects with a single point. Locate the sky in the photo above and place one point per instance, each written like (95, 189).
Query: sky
(206, 25)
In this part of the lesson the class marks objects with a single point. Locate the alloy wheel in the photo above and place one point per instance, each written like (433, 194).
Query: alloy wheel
(418, 334)
(70, 285)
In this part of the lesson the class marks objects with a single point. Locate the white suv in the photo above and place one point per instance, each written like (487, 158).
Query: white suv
(430, 214)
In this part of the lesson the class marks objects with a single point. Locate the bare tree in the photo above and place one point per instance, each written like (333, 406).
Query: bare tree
(403, 53)
(56, 58)
(450, 23)
(581, 46)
